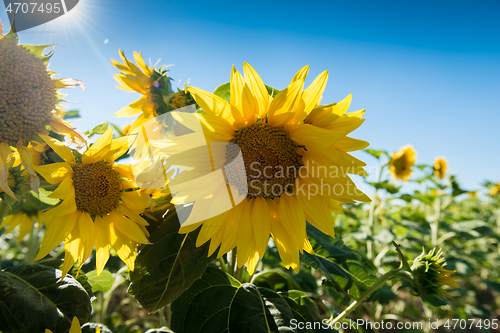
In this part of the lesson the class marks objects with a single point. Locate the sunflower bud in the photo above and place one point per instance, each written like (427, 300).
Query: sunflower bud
(429, 276)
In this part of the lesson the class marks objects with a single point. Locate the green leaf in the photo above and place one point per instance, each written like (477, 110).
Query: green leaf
(402, 258)
(386, 185)
(350, 278)
(223, 91)
(168, 266)
(103, 282)
(99, 129)
(276, 280)
(34, 297)
(303, 308)
(71, 114)
(218, 303)
(376, 153)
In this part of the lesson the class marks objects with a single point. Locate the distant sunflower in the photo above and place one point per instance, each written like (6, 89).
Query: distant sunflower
(25, 222)
(99, 204)
(402, 162)
(495, 189)
(152, 84)
(29, 97)
(440, 167)
(289, 131)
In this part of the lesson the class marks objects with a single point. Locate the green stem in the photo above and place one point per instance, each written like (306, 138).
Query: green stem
(368, 292)
(222, 265)
(32, 244)
(370, 248)
(4, 210)
(232, 267)
(163, 319)
(435, 229)
(498, 227)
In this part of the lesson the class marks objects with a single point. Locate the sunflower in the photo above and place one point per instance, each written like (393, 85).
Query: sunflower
(29, 97)
(152, 84)
(429, 274)
(440, 167)
(99, 204)
(294, 166)
(495, 189)
(401, 163)
(24, 221)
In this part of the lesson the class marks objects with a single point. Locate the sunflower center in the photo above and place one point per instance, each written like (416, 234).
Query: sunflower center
(271, 159)
(97, 188)
(27, 93)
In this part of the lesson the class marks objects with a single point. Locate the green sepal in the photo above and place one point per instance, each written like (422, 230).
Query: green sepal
(37, 52)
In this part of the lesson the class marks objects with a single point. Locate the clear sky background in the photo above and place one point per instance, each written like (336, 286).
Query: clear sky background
(427, 72)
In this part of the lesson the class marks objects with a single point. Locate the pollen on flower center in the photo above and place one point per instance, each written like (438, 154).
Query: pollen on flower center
(271, 159)
(97, 188)
(27, 93)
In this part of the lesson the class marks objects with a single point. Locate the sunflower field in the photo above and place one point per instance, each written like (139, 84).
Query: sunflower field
(228, 211)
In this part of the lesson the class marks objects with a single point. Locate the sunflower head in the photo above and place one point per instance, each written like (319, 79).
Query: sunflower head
(285, 161)
(153, 84)
(401, 163)
(100, 203)
(440, 166)
(429, 274)
(181, 99)
(495, 190)
(27, 91)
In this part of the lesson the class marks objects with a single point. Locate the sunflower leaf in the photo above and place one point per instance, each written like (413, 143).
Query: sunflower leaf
(34, 297)
(168, 266)
(219, 303)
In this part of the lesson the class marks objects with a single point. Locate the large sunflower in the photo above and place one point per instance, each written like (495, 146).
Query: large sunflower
(295, 166)
(401, 163)
(28, 97)
(99, 204)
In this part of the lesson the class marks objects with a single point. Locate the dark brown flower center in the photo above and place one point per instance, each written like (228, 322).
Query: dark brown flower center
(271, 159)
(97, 187)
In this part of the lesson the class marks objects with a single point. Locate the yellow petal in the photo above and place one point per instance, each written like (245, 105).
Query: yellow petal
(71, 247)
(256, 85)
(99, 149)
(262, 219)
(60, 149)
(56, 172)
(293, 218)
(66, 206)
(236, 88)
(301, 74)
(57, 231)
(88, 233)
(64, 189)
(314, 137)
(245, 234)
(4, 185)
(282, 108)
(124, 247)
(128, 227)
(313, 93)
(75, 326)
(136, 200)
(350, 144)
(25, 225)
(102, 243)
(211, 103)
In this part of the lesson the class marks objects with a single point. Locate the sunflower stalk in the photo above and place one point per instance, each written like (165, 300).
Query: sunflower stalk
(370, 248)
(435, 225)
(380, 282)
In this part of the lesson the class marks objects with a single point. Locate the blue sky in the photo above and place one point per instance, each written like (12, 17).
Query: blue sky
(426, 72)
